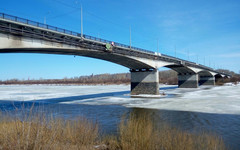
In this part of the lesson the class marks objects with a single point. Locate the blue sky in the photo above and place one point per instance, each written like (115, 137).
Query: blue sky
(207, 29)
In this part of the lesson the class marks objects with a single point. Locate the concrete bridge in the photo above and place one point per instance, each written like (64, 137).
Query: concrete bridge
(18, 35)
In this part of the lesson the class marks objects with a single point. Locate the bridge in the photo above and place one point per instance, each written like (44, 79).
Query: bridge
(18, 35)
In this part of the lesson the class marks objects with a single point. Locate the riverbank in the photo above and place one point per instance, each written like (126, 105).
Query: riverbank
(36, 131)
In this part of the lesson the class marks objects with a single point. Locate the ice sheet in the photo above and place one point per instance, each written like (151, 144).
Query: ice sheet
(219, 99)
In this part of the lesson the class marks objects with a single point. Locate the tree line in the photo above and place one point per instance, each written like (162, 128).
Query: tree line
(165, 77)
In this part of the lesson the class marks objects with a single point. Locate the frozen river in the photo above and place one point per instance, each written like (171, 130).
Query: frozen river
(215, 109)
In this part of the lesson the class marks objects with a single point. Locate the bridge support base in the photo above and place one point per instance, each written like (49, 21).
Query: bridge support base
(187, 80)
(207, 80)
(144, 82)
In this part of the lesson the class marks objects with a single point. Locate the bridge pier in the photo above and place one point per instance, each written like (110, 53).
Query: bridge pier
(187, 80)
(206, 80)
(144, 82)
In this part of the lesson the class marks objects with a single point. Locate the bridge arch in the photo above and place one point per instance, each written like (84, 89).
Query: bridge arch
(180, 69)
(187, 77)
(205, 73)
(219, 76)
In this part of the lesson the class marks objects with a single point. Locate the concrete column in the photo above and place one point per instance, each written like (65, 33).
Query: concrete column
(187, 80)
(144, 82)
(206, 80)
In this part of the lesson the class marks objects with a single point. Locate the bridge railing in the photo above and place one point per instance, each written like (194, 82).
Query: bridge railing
(45, 26)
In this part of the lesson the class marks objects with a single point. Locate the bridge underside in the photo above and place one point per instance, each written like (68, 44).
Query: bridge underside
(118, 59)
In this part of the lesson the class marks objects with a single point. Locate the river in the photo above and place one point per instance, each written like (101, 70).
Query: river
(214, 109)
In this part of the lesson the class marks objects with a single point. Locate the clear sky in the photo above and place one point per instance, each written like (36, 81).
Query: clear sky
(205, 29)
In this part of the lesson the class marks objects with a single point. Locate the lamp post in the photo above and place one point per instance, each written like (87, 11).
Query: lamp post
(45, 17)
(130, 42)
(175, 51)
(81, 23)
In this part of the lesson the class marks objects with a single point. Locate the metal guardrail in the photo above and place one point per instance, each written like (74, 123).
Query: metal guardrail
(49, 27)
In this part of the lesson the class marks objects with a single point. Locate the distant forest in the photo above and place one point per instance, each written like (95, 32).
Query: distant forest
(165, 77)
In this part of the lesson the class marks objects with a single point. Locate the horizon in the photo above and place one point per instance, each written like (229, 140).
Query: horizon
(93, 75)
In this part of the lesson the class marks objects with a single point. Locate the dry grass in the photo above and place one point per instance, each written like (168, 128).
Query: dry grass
(36, 132)
(138, 133)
